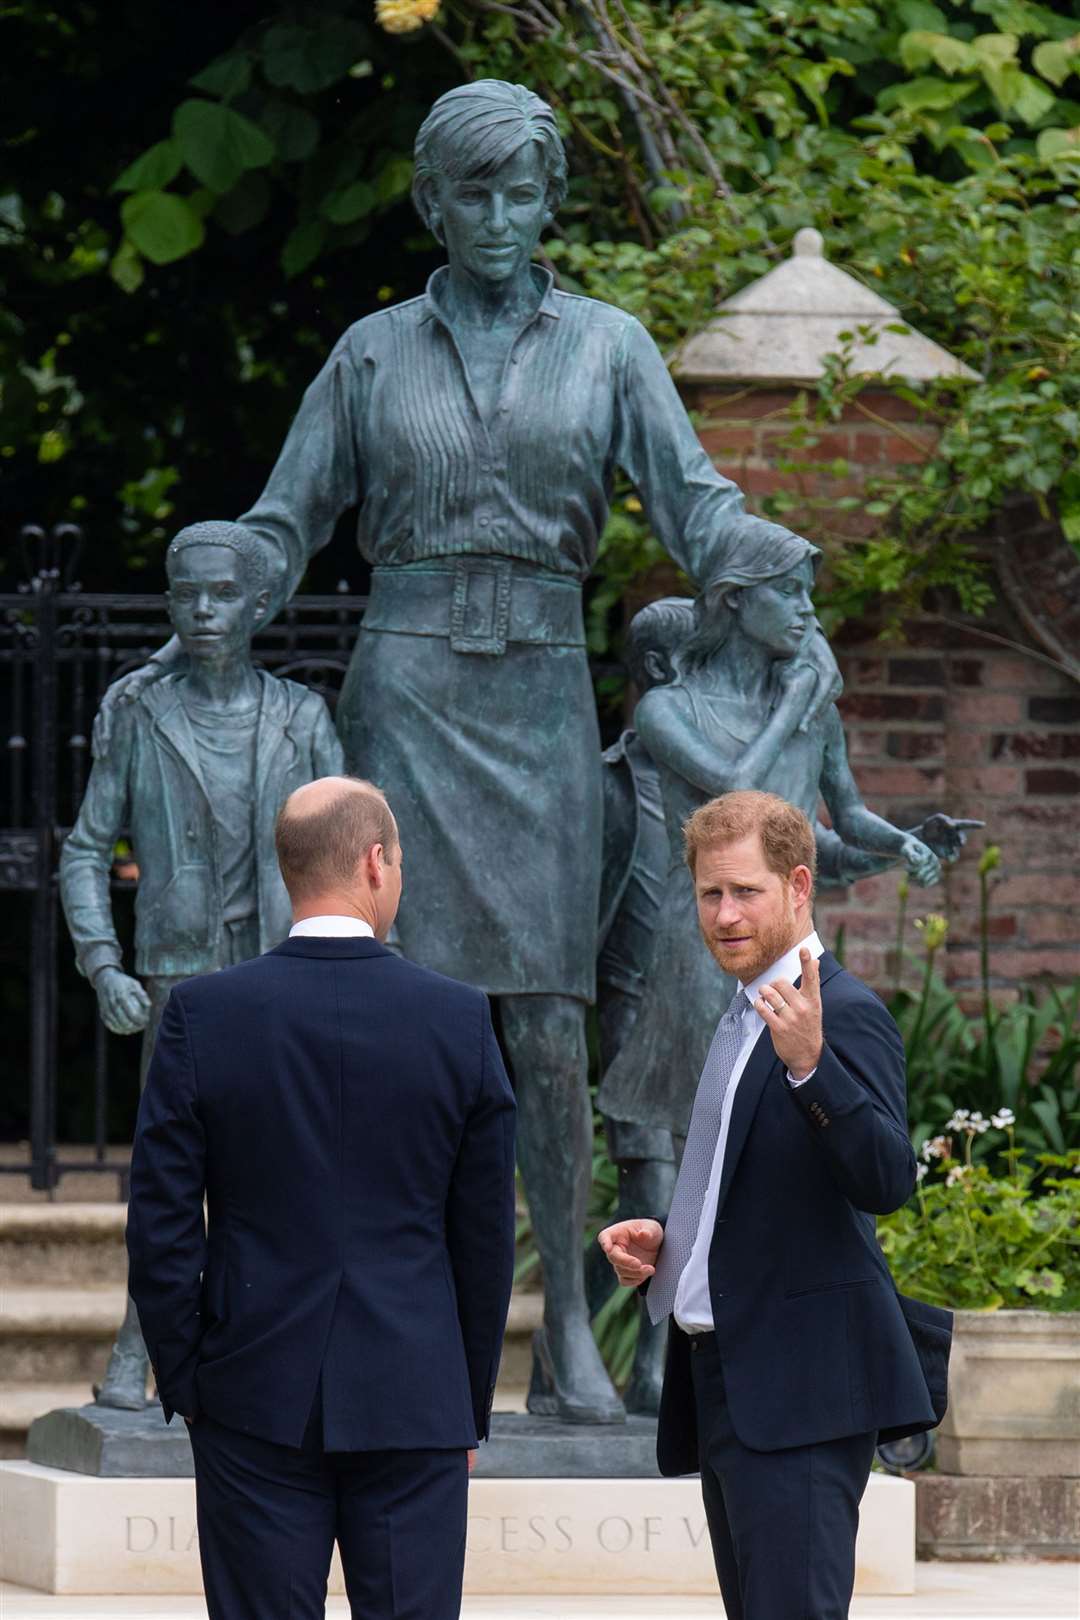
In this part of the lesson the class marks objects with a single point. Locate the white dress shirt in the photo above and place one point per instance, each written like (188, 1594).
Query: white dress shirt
(693, 1307)
(332, 927)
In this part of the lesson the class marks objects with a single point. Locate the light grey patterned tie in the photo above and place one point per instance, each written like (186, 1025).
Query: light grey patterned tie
(688, 1199)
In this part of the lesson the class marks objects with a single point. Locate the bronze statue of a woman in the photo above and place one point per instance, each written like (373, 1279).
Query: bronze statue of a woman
(476, 429)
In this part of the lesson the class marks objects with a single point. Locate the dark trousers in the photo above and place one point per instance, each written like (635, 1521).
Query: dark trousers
(269, 1515)
(782, 1523)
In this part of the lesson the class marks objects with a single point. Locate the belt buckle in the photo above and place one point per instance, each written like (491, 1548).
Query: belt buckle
(480, 607)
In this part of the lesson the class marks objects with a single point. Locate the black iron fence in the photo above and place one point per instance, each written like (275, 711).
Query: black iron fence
(60, 648)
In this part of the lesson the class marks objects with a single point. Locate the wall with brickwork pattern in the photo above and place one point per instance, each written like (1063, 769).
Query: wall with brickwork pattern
(974, 717)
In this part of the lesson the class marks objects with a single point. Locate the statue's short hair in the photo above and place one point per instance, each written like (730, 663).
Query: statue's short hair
(660, 626)
(234, 537)
(319, 850)
(787, 838)
(476, 128)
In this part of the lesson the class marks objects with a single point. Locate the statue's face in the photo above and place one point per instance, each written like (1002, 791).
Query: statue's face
(212, 603)
(779, 613)
(491, 225)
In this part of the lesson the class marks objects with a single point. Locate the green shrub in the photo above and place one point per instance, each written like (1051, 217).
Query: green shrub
(974, 1239)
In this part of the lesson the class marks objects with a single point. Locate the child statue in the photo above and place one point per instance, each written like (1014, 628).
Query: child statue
(739, 714)
(633, 875)
(194, 771)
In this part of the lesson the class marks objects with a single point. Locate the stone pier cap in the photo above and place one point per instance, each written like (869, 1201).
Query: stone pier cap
(779, 329)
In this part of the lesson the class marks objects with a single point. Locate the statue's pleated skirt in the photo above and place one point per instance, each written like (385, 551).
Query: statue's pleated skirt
(491, 765)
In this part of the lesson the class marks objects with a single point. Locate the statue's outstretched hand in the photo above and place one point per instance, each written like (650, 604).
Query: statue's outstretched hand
(123, 1003)
(923, 866)
(632, 1248)
(945, 835)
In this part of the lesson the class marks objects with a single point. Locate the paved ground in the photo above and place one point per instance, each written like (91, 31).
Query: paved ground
(945, 1592)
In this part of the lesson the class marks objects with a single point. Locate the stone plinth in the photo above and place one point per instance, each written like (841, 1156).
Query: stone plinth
(111, 1444)
(1014, 1395)
(974, 1519)
(117, 1445)
(76, 1534)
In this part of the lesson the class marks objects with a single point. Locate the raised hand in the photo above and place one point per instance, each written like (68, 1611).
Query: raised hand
(945, 835)
(123, 1003)
(632, 1248)
(922, 864)
(794, 1018)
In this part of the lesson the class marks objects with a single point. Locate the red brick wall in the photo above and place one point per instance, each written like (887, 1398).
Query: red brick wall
(950, 722)
(950, 719)
(744, 431)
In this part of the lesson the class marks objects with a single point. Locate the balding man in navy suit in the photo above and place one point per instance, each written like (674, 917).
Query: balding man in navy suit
(332, 1332)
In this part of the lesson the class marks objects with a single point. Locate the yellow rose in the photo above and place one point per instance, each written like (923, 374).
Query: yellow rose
(405, 16)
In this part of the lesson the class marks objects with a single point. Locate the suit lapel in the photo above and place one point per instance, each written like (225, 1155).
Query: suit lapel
(762, 1064)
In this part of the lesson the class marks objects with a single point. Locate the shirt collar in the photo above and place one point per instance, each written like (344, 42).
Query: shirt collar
(787, 967)
(434, 292)
(332, 927)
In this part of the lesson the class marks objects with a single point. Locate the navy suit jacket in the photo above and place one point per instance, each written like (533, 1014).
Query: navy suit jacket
(348, 1118)
(814, 1340)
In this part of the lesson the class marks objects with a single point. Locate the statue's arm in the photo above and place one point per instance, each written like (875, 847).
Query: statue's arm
(664, 721)
(697, 514)
(316, 477)
(858, 825)
(839, 864)
(87, 855)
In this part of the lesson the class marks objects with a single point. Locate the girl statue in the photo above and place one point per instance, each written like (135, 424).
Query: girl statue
(740, 713)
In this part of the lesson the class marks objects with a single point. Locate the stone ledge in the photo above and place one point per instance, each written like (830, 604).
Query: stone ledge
(67, 1313)
(969, 1517)
(48, 1223)
(77, 1535)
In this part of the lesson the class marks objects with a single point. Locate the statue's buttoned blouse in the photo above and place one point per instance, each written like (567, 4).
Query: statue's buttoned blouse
(469, 698)
(390, 425)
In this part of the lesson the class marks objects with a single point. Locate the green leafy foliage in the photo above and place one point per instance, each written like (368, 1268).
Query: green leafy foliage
(937, 146)
(161, 226)
(218, 143)
(977, 1239)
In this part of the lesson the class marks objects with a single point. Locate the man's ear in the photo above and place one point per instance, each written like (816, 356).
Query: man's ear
(376, 865)
(802, 884)
(262, 602)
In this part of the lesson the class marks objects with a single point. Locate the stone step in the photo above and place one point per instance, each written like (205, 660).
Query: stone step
(55, 1342)
(58, 1335)
(50, 1245)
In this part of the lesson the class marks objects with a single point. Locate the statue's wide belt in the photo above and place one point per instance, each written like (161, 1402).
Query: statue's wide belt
(483, 604)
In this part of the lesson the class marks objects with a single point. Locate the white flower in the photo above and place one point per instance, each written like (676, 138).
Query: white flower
(920, 1171)
(935, 1147)
(957, 1173)
(959, 1120)
(1003, 1119)
(976, 1124)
